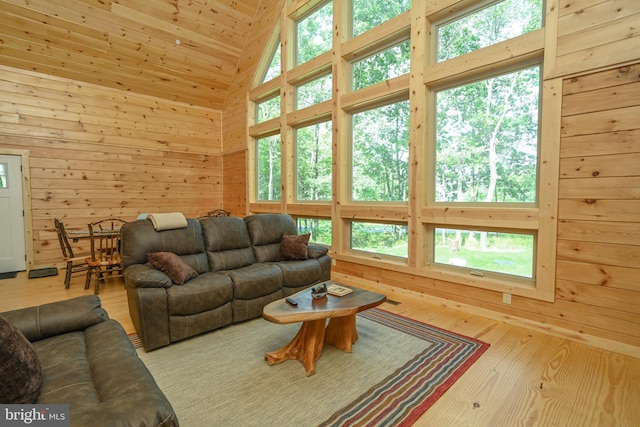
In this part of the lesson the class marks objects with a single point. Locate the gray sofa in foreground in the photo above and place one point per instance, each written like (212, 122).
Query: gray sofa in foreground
(83, 359)
(226, 270)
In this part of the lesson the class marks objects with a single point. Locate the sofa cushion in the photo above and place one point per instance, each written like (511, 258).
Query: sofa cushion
(294, 247)
(206, 292)
(172, 265)
(139, 238)
(316, 250)
(255, 281)
(266, 231)
(21, 372)
(227, 243)
(301, 273)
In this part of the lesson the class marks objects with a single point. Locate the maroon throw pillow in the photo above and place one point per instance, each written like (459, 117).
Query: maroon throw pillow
(21, 371)
(173, 266)
(295, 247)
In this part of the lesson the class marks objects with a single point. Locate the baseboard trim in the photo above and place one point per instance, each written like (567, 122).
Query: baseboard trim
(594, 341)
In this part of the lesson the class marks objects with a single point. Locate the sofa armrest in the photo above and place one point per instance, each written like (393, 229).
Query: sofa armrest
(145, 276)
(57, 318)
(316, 250)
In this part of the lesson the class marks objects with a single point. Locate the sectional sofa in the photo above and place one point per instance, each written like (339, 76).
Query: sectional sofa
(211, 272)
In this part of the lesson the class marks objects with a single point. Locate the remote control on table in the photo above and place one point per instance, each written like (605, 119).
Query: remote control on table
(291, 301)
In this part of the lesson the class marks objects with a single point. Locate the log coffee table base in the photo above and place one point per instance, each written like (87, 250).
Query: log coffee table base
(307, 345)
(341, 331)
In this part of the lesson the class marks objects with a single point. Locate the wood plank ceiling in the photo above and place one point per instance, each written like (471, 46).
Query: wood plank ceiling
(183, 50)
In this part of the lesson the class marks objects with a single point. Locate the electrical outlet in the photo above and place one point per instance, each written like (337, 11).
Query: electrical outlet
(506, 298)
(333, 262)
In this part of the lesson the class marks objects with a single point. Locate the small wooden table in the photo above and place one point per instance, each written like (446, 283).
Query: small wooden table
(341, 331)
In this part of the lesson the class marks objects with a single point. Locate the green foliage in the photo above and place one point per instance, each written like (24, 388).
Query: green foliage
(506, 253)
(371, 13)
(314, 92)
(380, 170)
(488, 26)
(268, 150)
(313, 161)
(320, 229)
(382, 66)
(486, 139)
(274, 69)
(269, 109)
(314, 34)
(387, 239)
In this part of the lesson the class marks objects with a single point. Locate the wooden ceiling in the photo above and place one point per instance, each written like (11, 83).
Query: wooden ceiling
(183, 50)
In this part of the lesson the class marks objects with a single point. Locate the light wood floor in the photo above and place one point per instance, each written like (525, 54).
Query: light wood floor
(526, 378)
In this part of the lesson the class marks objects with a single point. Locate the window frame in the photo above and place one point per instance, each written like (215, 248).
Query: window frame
(421, 213)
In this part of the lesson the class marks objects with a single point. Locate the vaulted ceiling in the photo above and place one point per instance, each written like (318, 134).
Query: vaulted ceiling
(183, 50)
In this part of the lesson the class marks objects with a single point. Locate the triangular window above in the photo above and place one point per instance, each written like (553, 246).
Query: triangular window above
(274, 69)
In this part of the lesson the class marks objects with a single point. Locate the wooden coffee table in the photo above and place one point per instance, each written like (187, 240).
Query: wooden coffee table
(341, 331)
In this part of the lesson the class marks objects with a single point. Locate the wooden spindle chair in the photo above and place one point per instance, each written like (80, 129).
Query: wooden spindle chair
(105, 251)
(75, 263)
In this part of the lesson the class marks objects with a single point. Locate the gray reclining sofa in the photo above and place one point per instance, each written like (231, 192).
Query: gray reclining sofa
(74, 354)
(239, 265)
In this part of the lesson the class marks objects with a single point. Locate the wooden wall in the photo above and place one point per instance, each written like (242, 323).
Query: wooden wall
(97, 152)
(184, 51)
(598, 262)
(235, 117)
(599, 203)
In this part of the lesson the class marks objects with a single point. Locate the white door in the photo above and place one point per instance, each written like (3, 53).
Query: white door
(12, 244)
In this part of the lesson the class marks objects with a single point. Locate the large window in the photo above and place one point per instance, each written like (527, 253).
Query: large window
(371, 13)
(390, 63)
(380, 157)
(499, 21)
(268, 167)
(380, 238)
(274, 69)
(313, 160)
(313, 92)
(485, 251)
(320, 229)
(269, 109)
(487, 139)
(417, 142)
(314, 34)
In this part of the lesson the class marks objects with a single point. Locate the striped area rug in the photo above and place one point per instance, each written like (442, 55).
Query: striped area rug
(403, 396)
(424, 362)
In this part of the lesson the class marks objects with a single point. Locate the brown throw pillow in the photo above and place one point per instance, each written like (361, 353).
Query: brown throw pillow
(173, 266)
(293, 247)
(21, 372)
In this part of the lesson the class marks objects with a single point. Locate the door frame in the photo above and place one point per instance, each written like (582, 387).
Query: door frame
(26, 201)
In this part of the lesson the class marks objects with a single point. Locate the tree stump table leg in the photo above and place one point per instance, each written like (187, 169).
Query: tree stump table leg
(342, 333)
(306, 346)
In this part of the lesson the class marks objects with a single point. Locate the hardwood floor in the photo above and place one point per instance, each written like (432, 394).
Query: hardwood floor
(24, 292)
(526, 378)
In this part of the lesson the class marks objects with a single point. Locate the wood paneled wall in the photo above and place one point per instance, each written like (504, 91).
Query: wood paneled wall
(599, 202)
(183, 51)
(97, 152)
(595, 34)
(235, 111)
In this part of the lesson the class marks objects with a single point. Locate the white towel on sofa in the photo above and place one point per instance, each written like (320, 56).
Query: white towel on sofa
(168, 221)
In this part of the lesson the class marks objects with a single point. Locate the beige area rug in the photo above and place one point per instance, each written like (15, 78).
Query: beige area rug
(397, 369)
